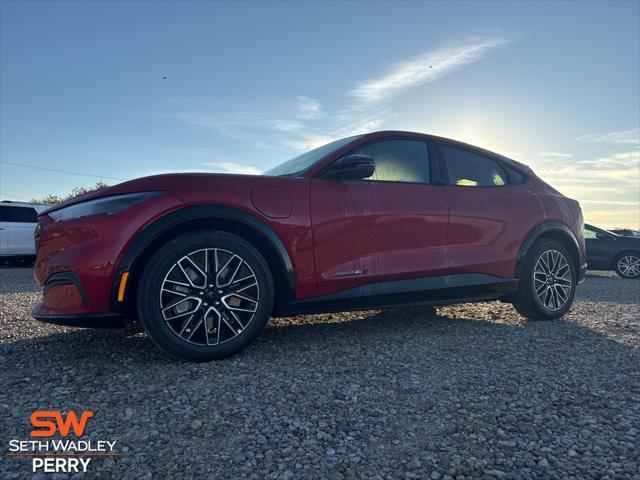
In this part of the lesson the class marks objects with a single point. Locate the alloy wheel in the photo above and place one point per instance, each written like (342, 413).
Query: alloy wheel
(552, 280)
(209, 296)
(629, 266)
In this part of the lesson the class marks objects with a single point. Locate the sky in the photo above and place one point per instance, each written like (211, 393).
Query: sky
(117, 90)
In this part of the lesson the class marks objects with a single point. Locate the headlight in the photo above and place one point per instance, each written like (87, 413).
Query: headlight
(102, 205)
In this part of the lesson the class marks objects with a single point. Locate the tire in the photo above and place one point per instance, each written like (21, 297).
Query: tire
(546, 297)
(627, 265)
(193, 313)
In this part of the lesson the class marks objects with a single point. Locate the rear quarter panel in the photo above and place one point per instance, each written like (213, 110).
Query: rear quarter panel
(487, 226)
(558, 208)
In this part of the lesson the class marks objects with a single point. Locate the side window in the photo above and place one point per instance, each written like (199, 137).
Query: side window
(515, 177)
(18, 214)
(589, 233)
(472, 170)
(398, 160)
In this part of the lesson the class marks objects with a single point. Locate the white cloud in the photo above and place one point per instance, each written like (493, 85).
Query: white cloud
(425, 68)
(623, 203)
(307, 141)
(288, 124)
(607, 187)
(231, 167)
(303, 123)
(508, 153)
(629, 137)
(309, 108)
(620, 217)
(212, 167)
(555, 155)
(169, 171)
(628, 162)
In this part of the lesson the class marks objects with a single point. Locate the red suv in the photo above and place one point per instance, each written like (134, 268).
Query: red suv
(386, 218)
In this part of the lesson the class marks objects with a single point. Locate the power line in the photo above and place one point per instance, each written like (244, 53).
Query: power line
(3, 194)
(69, 172)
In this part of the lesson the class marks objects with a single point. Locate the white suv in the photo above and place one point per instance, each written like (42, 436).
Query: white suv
(18, 221)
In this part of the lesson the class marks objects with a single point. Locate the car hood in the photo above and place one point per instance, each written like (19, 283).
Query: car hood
(165, 182)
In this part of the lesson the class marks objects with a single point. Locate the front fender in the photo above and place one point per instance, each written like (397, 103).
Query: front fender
(146, 237)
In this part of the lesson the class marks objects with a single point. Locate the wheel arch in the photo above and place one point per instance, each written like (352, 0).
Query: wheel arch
(203, 217)
(552, 231)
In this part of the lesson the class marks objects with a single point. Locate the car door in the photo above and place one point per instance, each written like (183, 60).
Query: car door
(387, 227)
(22, 224)
(597, 244)
(490, 212)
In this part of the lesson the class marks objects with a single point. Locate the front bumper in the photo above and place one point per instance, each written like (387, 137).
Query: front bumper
(65, 302)
(88, 320)
(77, 263)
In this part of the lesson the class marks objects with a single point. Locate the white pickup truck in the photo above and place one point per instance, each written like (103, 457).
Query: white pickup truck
(18, 221)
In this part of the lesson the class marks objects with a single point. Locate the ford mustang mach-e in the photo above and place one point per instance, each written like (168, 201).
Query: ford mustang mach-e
(386, 218)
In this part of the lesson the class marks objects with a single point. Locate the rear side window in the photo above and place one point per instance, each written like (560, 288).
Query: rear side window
(398, 160)
(469, 169)
(18, 214)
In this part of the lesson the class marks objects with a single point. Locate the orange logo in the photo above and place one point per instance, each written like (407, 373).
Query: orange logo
(42, 420)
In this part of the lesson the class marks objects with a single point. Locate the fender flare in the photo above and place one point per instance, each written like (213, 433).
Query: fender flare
(161, 225)
(539, 231)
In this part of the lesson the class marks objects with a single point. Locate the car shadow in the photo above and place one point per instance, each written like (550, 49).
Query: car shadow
(358, 334)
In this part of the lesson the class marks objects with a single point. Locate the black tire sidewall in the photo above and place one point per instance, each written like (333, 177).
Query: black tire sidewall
(527, 284)
(154, 272)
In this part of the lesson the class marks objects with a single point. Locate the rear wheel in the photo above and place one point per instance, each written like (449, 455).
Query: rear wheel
(205, 295)
(547, 282)
(627, 265)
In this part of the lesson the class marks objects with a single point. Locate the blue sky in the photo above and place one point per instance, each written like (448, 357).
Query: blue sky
(554, 85)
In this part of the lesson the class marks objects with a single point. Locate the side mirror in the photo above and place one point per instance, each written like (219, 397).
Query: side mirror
(601, 236)
(352, 167)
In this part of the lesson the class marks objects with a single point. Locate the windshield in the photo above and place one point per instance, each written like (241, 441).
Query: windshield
(299, 164)
(595, 230)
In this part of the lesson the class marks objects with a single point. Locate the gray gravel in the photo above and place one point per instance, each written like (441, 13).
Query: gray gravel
(473, 392)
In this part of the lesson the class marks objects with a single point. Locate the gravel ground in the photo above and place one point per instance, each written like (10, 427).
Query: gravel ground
(472, 392)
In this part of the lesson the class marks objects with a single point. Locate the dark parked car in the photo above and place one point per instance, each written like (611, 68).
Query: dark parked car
(609, 251)
(386, 218)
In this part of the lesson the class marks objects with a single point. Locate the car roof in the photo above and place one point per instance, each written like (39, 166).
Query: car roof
(384, 134)
(39, 207)
(437, 138)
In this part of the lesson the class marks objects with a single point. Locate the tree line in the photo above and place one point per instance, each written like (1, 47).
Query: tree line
(53, 199)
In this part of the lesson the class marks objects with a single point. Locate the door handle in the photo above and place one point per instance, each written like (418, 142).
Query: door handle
(352, 273)
(1, 228)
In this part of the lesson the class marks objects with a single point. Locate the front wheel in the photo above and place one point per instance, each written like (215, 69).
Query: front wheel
(627, 265)
(205, 295)
(547, 282)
